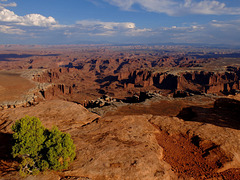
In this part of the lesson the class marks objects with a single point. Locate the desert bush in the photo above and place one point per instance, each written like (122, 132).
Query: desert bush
(38, 148)
(60, 149)
(28, 136)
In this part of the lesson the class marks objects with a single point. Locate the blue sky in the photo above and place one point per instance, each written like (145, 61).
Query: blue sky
(119, 21)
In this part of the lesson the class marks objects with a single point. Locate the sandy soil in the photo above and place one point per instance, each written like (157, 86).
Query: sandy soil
(13, 86)
(188, 160)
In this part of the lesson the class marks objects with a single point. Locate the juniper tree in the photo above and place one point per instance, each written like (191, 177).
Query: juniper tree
(60, 149)
(40, 149)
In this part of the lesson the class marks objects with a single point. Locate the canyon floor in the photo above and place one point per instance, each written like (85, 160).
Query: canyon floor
(158, 119)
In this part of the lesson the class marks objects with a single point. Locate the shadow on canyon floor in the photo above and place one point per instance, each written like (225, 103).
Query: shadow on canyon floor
(8, 57)
(224, 114)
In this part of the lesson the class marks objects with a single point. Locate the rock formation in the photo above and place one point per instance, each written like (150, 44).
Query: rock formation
(136, 146)
(205, 82)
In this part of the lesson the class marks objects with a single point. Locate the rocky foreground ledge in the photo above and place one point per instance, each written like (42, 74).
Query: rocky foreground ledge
(134, 146)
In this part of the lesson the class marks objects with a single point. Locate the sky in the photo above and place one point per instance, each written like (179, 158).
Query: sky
(120, 22)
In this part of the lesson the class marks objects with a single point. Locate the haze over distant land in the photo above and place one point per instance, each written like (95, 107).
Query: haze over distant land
(120, 22)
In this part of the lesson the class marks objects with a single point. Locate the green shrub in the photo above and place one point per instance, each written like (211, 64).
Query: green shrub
(40, 149)
(60, 149)
(43, 165)
(28, 136)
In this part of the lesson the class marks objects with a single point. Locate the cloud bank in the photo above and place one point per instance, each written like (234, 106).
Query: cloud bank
(36, 28)
(8, 16)
(178, 7)
(39, 25)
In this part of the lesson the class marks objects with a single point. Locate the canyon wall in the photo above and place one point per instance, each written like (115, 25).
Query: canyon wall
(205, 82)
(66, 82)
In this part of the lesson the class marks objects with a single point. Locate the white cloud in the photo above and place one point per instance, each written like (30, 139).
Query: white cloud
(2, 5)
(30, 22)
(8, 16)
(162, 6)
(106, 25)
(100, 28)
(210, 7)
(186, 29)
(8, 5)
(180, 7)
(10, 30)
(37, 20)
(27, 20)
(233, 25)
(214, 32)
(225, 32)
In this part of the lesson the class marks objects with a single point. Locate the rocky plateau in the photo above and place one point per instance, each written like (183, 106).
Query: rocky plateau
(134, 112)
